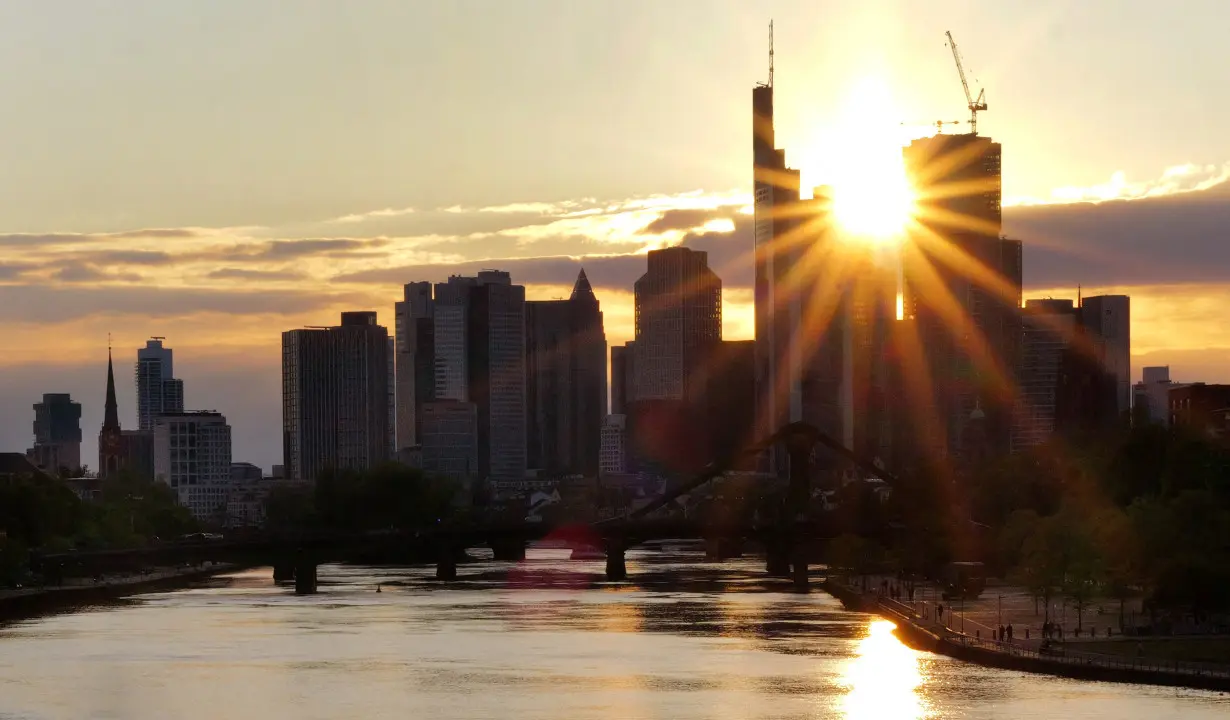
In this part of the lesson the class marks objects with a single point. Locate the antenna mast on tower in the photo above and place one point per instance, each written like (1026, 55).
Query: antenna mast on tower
(770, 53)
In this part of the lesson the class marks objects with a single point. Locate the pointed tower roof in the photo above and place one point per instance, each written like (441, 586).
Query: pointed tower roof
(582, 288)
(111, 418)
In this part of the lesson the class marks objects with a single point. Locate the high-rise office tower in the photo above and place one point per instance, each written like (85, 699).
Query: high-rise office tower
(868, 402)
(962, 293)
(1049, 329)
(416, 360)
(778, 248)
(621, 356)
(452, 333)
(495, 372)
(335, 396)
(1109, 321)
(158, 391)
(566, 381)
(57, 434)
(678, 322)
(192, 454)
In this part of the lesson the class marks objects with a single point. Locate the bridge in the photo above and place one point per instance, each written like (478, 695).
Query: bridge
(786, 534)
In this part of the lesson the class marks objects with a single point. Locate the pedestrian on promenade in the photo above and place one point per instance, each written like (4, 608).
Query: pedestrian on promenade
(1009, 632)
(999, 633)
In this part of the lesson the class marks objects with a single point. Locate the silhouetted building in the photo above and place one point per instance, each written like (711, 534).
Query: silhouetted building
(449, 430)
(962, 292)
(57, 434)
(192, 454)
(1151, 396)
(621, 358)
(867, 417)
(1200, 408)
(779, 302)
(119, 450)
(678, 322)
(1086, 399)
(565, 382)
(495, 377)
(245, 472)
(729, 400)
(158, 391)
(415, 360)
(1109, 321)
(335, 396)
(1049, 328)
(614, 459)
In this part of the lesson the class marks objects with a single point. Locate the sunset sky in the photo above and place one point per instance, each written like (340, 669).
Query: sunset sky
(218, 172)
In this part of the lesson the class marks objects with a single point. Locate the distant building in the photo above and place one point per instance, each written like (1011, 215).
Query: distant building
(449, 430)
(1201, 408)
(391, 395)
(614, 458)
(621, 377)
(1151, 396)
(678, 303)
(158, 391)
(729, 399)
(958, 181)
(1049, 328)
(415, 360)
(565, 382)
(1109, 321)
(15, 466)
(57, 434)
(119, 450)
(192, 454)
(335, 396)
(244, 472)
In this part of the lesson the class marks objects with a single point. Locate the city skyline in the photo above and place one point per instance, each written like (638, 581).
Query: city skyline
(224, 286)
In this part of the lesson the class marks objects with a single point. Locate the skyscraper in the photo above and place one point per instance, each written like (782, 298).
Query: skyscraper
(57, 434)
(678, 322)
(566, 381)
(1109, 321)
(962, 289)
(192, 454)
(335, 396)
(1049, 330)
(495, 373)
(158, 391)
(777, 306)
(416, 360)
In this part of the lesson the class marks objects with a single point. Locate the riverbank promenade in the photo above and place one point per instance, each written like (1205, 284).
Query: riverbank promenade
(965, 631)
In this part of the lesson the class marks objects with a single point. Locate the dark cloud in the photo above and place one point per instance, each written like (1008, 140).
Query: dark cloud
(730, 254)
(685, 219)
(36, 239)
(46, 304)
(1164, 240)
(610, 271)
(129, 257)
(244, 274)
(9, 271)
(303, 248)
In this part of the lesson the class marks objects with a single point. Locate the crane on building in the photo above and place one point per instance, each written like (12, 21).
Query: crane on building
(938, 124)
(975, 104)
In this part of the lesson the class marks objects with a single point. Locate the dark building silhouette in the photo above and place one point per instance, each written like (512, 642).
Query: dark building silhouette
(729, 400)
(119, 450)
(415, 361)
(678, 322)
(495, 373)
(1201, 408)
(621, 374)
(159, 392)
(57, 433)
(873, 318)
(335, 396)
(1108, 318)
(565, 382)
(962, 293)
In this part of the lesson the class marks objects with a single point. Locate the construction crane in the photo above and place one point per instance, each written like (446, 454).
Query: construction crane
(974, 105)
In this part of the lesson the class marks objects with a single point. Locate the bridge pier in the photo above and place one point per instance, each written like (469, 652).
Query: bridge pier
(616, 564)
(283, 570)
(508, 550)
(305, 576)
(723, 548)
(446, 566)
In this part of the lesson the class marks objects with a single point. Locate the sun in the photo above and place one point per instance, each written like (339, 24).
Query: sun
(858, 156)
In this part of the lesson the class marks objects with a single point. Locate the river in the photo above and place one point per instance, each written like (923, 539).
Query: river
(545, 639)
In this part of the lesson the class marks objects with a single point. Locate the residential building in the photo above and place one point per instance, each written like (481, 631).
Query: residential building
(335, 396)
(57, 434)
(965, 313)
(566, 382)
(192, 454)
(449, 430)
(158, 391)
(614, 450)
(1108, 318)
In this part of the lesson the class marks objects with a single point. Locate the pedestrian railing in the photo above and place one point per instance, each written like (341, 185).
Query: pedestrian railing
(1067, 657)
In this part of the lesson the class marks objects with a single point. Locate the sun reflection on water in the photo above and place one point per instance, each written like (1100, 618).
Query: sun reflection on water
(884, 680)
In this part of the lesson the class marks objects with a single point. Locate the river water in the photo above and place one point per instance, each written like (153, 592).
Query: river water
(544, 639)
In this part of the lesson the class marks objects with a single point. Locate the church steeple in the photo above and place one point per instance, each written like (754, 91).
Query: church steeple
(111, 417)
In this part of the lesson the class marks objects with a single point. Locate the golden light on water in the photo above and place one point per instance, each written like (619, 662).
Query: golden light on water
(884, 680)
